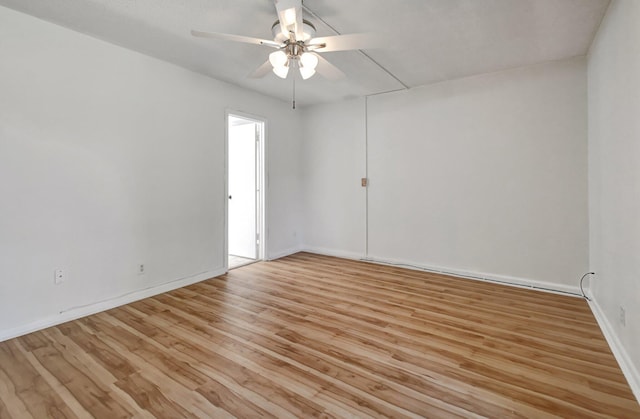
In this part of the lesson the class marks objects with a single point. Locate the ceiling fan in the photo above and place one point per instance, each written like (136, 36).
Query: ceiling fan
(295, 44)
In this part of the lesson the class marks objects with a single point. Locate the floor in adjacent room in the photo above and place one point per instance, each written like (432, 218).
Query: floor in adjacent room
(237, 261)
(310, 335)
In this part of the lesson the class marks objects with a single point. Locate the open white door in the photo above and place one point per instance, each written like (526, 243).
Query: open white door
(244, 206)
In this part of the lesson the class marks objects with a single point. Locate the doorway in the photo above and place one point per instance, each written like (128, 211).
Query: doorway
(245, 181)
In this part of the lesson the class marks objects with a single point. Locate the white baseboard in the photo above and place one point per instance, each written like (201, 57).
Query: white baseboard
(629, 369)
(332, 252)
(283, 253)
(513, 281)
(96, 307)
(554, 288)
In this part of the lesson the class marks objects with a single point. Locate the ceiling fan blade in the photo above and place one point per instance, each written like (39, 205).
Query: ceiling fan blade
(261, 71)
(290, 16)
(328, 70)
(235, 38)
(343, 42)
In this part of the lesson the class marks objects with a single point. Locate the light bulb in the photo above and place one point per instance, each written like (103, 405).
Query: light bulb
(307, 72)
(309, 60)
(281, 71)
(278, 59)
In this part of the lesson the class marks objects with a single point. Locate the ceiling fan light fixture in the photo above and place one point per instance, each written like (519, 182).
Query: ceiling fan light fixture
(295, 44)
(307, 72)
(309, 60)
(278, 59)
(281, 71)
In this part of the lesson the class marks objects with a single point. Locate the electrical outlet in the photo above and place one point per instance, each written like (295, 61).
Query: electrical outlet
(141, 269)
(623, 317)
(58, 276)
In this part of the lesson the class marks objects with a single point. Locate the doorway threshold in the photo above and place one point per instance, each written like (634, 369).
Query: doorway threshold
(238, 261)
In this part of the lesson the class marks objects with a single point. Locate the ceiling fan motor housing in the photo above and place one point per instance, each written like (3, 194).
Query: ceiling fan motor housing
(295, 50)
(308, 30)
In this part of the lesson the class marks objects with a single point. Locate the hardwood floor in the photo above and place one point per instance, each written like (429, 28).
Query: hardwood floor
(310, 335)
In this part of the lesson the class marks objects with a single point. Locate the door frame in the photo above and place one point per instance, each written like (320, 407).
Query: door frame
(263, 182)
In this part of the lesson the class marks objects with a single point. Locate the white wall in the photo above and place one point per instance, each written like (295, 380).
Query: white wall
(614, 179)
(485, 175)
(109, 159)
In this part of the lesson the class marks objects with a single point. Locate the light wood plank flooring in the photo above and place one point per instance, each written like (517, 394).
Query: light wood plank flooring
(310, 335)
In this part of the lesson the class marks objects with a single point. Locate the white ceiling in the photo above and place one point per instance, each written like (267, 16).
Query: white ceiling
(426, 40)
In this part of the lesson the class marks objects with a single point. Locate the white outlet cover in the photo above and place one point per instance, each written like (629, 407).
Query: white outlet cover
(58, 276)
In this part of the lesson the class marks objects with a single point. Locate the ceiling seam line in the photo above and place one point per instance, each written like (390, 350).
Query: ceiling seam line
(385, 92)
(311, 12)
(384, 69)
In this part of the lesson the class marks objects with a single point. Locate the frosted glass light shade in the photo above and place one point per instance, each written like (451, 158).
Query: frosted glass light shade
(281, 71)
(307, 72)
(309, 60)
(278, 59)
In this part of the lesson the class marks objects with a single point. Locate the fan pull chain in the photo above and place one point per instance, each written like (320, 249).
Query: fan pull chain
(294, 91)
